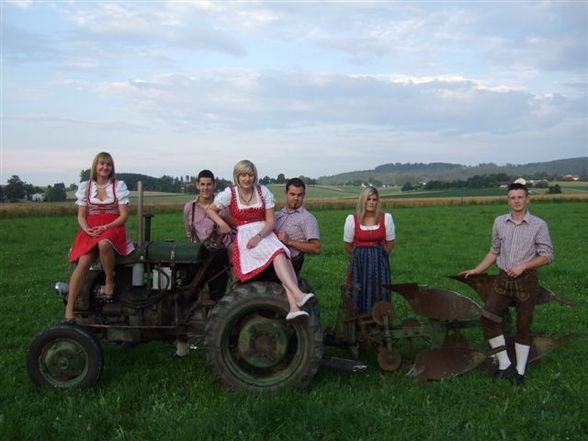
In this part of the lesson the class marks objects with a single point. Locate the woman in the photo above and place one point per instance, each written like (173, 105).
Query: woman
(102, 211)
(256, 245)
(369, 237)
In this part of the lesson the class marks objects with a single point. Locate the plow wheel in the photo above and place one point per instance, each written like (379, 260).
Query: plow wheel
(389, 359)
(456, 340)
(382, 310)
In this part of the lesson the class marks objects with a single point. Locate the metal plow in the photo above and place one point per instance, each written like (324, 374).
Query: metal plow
(440, 363)
(440, 316)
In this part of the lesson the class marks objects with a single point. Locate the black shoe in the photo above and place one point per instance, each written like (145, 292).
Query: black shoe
(507, 373)
(71, 321)
(517, 379)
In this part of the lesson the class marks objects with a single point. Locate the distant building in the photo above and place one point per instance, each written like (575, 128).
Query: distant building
(38, 197)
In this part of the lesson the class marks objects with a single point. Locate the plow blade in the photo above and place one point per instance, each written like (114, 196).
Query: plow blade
(445, 362)
(483, 285)
(541, 345)
(440, 304)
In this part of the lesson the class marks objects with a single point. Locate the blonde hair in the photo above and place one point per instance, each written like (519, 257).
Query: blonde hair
(244, 167)
(98, 157)
(361, 203)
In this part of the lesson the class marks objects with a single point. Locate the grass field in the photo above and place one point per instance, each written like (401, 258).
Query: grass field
(145, 394)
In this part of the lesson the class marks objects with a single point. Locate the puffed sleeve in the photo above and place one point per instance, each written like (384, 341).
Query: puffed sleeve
(268, 196)
(223, 199)
(349, 229)
(122, 193)
(390, 228)
(81, 194)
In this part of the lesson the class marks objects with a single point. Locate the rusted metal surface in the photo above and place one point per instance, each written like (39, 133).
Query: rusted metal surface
(483, 285)
(445, 362)
(440, 304)
(389, 359)
(383, 311)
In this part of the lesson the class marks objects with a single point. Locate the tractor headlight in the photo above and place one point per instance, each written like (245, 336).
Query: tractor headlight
(61, 289)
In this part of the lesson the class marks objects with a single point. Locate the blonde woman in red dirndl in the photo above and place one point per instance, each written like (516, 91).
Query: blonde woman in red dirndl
(102, 211)
(256, 246)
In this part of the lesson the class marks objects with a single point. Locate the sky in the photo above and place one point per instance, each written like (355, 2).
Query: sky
(298, 87)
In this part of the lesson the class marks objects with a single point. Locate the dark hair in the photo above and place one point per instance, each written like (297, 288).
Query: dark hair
(205, 174)
(518, 186)
(296, 182)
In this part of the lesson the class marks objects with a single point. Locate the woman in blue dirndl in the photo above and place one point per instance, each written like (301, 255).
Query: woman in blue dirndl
(369, 236)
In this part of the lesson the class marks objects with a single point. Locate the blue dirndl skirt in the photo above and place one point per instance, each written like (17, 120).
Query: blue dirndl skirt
(369, 269)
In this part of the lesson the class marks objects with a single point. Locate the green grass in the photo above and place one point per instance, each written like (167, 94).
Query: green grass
(144, 394)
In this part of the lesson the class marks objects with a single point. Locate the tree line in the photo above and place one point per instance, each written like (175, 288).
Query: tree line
(18, 190)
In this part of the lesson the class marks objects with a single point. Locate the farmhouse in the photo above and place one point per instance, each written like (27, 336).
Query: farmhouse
(38, 197)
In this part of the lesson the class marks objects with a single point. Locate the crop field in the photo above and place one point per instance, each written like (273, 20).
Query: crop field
(145, 394)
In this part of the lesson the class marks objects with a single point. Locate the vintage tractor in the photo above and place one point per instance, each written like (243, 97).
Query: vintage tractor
(161, 294)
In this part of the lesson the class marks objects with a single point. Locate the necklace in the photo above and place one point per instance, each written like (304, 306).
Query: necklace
(101, 187)
(246, 201)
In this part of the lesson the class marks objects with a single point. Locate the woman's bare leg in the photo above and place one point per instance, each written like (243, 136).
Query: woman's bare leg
(107, 262)
(287, 276)
(76, 281)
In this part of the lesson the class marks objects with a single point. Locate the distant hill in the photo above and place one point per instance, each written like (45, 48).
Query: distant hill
(399, 174)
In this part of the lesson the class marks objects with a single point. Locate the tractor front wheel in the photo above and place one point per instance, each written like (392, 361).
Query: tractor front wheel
(250, 345)
(64, 356)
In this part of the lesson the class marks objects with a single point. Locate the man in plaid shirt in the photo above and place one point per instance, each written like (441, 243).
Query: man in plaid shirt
(520, 244)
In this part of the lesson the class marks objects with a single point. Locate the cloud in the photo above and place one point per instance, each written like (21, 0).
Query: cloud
(252, 100)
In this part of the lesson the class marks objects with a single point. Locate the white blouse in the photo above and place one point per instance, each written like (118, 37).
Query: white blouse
(223, 199)
(122, 193)
(349, 228)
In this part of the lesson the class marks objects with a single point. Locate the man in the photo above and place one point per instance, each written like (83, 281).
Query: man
(520, 244)
(199, 229)
(296, 227)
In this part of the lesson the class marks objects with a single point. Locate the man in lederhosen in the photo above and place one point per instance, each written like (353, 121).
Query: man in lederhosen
(520, 244)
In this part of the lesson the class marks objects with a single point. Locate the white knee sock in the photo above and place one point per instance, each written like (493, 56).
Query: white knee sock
(522, 352)
(502, 356)
(182, 348)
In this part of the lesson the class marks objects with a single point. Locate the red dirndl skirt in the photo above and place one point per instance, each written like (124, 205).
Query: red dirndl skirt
(117, 236)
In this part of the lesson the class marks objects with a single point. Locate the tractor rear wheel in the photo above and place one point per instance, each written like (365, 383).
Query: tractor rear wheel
(64, 356)
(250, 345)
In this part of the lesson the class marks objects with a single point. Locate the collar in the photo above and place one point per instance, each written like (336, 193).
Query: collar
(297, 210)
(526, 218)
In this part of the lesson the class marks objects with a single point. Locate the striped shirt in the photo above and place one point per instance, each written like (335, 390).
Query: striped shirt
(515, 243)
(299, 225)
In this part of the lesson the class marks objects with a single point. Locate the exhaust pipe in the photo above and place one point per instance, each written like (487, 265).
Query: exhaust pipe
(140, 234)
(139, 268)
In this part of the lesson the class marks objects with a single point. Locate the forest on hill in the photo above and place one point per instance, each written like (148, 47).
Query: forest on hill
(401, 173)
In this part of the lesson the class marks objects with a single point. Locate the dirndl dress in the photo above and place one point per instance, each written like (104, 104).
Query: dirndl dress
(369, 267)
(101, 214)
(249, 262)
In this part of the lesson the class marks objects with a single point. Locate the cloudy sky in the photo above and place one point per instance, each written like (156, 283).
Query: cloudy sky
(299, 87)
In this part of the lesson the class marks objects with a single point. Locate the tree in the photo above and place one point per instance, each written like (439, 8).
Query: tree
(265, 180)
(407, 187)
(2, 195)
(554, 189)
(15, 189)
(85, 175)
(56, 193)
(281, 179)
